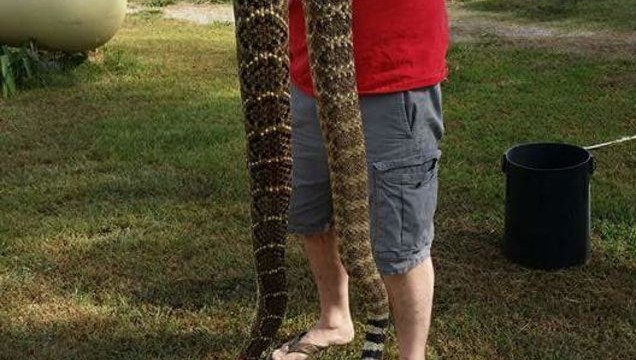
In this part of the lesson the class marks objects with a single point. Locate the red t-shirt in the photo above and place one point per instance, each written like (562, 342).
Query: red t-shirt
(399, 44)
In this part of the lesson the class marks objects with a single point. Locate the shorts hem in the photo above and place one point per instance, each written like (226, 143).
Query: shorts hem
(308, 230)
(400, 267)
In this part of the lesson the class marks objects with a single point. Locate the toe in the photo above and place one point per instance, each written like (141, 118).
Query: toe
(295, 357)
(277, 355)
(280, 353)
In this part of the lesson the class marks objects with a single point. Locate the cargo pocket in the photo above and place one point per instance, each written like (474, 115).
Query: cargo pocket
(405, 198)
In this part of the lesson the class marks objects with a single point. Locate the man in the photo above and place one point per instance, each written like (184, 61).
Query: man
(400, 50)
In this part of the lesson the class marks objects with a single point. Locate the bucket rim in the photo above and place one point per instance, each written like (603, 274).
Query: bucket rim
(587, 160)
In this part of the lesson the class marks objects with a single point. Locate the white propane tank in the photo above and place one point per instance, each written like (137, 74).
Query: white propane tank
(66, 25)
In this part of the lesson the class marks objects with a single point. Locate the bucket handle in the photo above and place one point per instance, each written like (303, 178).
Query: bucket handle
(592, 164)
(504, 163)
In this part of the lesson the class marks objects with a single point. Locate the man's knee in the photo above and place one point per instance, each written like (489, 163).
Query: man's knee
(315, 237)
(323, 237)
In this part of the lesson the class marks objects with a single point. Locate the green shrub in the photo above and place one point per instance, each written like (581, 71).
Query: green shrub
(21, 66)
(17, 65)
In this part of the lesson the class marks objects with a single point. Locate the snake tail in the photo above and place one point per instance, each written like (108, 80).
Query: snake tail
(330, 42)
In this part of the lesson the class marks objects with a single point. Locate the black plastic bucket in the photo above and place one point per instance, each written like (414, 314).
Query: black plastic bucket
(547, 205)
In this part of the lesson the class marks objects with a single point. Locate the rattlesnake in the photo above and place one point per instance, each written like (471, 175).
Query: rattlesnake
(262, 48)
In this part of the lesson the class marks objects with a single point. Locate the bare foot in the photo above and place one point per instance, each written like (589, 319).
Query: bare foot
(321, 336)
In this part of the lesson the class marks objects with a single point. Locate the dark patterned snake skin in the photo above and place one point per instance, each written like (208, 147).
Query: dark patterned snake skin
(262, 47)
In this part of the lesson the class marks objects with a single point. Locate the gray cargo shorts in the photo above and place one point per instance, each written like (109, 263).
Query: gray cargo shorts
(402, 132)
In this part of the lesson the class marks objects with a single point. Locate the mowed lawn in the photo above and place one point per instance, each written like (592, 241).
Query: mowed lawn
(124, 227)
(608, 14)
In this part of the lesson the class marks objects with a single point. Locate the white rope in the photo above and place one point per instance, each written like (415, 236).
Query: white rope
(621, 140)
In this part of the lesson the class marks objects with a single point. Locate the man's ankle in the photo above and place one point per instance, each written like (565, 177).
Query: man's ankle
(335, 321)
(340, 334)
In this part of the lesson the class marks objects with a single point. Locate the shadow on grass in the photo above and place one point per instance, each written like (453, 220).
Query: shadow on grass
(196, 294)
(487, 307)
(91, 339)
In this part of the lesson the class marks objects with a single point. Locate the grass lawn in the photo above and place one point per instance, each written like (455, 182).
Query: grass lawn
(124, 207)
(612, 14)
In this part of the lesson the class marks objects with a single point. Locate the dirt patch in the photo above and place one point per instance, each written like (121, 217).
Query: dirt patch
(134, 8)
(466, 26)
(200, 14)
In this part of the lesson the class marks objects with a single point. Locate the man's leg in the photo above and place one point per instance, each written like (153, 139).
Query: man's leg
(397, 126)
(403, 137)
(334, 326)
(310, 214)
(411, 296)
(332, 281)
